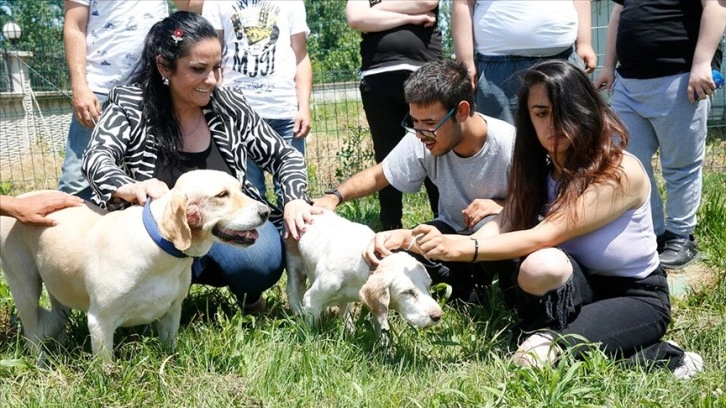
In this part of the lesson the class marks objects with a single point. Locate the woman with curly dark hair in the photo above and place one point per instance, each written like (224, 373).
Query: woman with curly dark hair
(577, 216)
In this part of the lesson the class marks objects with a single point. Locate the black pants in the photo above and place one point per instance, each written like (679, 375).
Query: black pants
(385, 107)
(625, 317)
(469, 281)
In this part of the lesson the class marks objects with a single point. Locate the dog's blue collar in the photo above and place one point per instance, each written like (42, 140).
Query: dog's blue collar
(163, 243)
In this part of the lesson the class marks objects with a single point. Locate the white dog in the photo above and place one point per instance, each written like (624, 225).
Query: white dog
(329, 254)
(108, 265)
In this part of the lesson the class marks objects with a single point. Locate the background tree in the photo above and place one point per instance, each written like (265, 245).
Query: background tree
(333, 46)
(42, 25)
(447, 41)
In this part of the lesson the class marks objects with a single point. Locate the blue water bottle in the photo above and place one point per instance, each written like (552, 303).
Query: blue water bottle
(717, 78)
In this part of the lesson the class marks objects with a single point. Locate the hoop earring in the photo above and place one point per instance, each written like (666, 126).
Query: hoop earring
(165, 80)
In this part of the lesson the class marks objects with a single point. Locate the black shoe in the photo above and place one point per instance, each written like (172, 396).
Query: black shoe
(678, 251)
(661, 239)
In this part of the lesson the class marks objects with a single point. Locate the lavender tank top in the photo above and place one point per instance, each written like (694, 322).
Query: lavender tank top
(626, 247)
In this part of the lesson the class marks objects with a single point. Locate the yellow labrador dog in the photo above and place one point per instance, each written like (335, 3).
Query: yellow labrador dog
(125, 267)
(329, 255)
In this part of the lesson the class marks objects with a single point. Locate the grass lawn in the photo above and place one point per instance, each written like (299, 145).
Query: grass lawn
(223, 358)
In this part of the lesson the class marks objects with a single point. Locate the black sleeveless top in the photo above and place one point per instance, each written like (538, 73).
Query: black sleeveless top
(209, 159)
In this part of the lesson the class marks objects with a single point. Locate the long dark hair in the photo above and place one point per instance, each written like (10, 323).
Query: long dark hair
(597, 139)
(157, 104)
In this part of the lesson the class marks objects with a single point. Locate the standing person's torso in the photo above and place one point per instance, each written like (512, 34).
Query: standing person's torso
(258, 56)
(658, 37)
(406, 45)
(115, 35)
(524, 27)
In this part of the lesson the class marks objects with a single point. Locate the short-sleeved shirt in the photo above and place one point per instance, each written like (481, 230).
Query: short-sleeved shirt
(115, 34)
(657, 38)
(524, 27)
(258, 54)
(460, 180)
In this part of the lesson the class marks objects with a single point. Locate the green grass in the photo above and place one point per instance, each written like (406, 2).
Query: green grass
(223, 358)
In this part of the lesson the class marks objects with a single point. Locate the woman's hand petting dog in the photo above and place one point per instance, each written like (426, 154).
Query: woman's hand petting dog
(432, 244)
(136, 193)
(298, 214)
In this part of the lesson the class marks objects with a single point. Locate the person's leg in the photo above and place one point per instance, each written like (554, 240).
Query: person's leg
(72, 180)
(256, 176)
(682, 135)
(624, 317)
(627, 315)
(628, 101)
(549, 292)
(385, 107)
(247, 271)
(433, 193)
(550, 289)
(286, 129)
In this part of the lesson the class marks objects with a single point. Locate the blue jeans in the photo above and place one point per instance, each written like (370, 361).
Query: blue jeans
(500, 77)
(72, 180)
(284, 128)
(658, 115)
(246, 271)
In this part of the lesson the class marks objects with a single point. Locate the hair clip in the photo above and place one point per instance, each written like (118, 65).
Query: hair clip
(177, 36)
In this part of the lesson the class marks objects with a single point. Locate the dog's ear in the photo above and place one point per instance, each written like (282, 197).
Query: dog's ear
(175, 224)
(375, 293)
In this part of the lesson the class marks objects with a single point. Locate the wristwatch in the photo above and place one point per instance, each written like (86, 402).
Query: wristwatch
(336, 193)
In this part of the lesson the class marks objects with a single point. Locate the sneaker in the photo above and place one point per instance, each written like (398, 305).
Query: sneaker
(661, 239)
(678, 251)
(257, 307)
(537, 351)
(691, 364)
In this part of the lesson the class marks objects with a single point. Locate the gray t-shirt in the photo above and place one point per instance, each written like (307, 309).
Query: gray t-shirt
(460, 179)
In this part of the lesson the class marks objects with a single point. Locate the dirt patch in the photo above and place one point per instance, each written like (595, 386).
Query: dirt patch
(696, 277)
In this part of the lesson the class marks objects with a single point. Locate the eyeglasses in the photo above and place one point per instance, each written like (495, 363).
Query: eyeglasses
(407, 123)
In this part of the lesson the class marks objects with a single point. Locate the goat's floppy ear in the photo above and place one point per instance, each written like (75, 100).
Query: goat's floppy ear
(375, 293)
(174, 222)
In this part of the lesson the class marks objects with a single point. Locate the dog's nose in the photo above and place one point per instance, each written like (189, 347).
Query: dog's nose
(436, 316)
(264, 212)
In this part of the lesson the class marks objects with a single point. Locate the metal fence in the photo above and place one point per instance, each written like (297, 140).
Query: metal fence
(33, 127)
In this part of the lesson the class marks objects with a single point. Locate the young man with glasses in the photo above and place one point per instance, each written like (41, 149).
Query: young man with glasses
(466, 154)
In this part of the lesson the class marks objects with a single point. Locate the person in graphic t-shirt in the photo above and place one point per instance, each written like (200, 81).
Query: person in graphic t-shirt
(266, 56)
(102, 42)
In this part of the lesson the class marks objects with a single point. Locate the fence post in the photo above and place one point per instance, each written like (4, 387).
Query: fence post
(20, 85)
(18, 69)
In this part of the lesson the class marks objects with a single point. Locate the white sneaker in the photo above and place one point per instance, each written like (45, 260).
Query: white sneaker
(538, 350)
(691, 364)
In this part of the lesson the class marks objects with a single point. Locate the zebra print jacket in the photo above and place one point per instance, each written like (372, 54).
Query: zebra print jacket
(122, 149)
